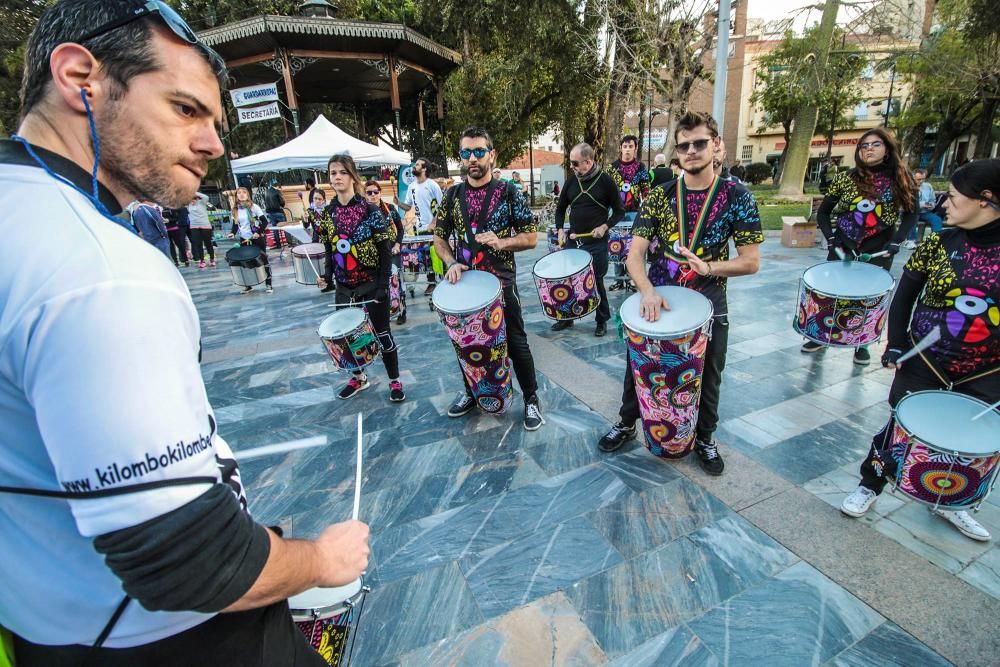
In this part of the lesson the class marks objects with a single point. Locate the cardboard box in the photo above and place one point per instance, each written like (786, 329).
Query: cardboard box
(797, 232)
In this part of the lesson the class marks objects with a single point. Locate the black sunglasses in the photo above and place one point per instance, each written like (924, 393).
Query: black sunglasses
(480, 153)
(169, 16)
(373, 192)
(699, 145)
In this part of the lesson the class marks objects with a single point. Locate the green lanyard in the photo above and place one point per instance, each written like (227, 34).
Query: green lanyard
(682, 222)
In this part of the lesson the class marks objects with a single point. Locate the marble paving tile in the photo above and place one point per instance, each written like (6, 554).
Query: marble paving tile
(984, 572)
(547, 631)
(537, 564)
(888, 645)
(641, 522)
(793, 417)
(436, 603)
(832, 487)
(640, 470)
(932, 537)
(808, 616)
(816, 452)
(677, 647)
(747, 432)
(639, 599)
(859, 393)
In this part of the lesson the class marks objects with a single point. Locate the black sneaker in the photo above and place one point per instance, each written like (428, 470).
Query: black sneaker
(602, 329)
(709, 457)
(616, 287)
(396, 391)
(532, 414)
(353, 387)
(862, 356)
(329, 288)
(616, 437)
(247, 290)
(402, 318)
(430, 289)
(812, 346)
(562, 325)
(462, 406)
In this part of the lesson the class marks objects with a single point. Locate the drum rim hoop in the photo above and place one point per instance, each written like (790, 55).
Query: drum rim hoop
(805, 283)
(365, 320)
(939, 448)
(589, 265)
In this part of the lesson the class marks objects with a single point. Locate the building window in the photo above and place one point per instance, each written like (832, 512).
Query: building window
(747, 152)
(861, 111)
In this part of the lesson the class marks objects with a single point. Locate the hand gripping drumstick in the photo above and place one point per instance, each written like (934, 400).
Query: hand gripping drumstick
(933, 336)
(986, 411)
(357, 475)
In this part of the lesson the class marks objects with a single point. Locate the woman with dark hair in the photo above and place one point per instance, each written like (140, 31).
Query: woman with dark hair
(250, 223)
(361, 240)
(313, 220)
(875, 208)
(373, 193)
(950, 284)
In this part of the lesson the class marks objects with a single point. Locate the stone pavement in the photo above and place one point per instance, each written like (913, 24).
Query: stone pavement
(492, 545)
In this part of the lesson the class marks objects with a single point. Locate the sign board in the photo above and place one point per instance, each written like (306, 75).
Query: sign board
(404, 178)
(254, 114)
(242, 97)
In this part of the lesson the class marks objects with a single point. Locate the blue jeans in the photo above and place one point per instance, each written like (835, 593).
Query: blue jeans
(272, 221)
(932, 219)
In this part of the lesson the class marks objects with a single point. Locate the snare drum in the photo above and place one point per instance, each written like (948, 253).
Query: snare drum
(329, 618)
(397, 298)
(349, 338)
(944, 458)
(472, 312)
(415, 254)
(307, 260)
(619, 242)
(566, 284)
(843, 304)
(246, 262)
(667, 358)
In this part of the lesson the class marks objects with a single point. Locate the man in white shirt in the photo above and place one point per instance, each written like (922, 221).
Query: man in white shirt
(424, 195)
(102, 405)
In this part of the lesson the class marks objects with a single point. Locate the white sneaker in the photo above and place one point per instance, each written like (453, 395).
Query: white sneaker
(965, 524)
(858, 502)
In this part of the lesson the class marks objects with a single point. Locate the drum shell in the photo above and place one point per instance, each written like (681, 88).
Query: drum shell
(569, 298)
(328, 629)
(355, 349)
(245, 256)
(248, 277)
(837, 320)
(619, 243)
(395, 291)
(303, 274)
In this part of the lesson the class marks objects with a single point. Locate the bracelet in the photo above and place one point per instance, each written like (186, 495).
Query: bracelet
(709, 265)
(451, 264)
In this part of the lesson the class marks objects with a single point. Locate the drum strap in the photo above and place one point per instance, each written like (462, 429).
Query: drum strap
(586, 191)
(943, 378)
(471, 230)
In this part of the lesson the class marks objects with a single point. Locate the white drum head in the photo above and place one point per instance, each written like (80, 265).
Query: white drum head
(425, 238)
(473, 292)
(848, 280)
(312, 250)
(562, 264)
(689, 310)
(342, 322)
(943, 419)
(323, 602)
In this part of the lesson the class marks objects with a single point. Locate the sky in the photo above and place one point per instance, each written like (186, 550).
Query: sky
(776, 9)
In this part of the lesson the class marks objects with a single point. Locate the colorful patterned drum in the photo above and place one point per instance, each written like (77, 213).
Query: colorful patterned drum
(349, 338)
(619, 242)
(472, 311)
(667, 358)
(305, 255)
(415, 254)
(943, 457)
(566, 284)
(552, 234)
(329, 618)
(843, 304)
(397, 298)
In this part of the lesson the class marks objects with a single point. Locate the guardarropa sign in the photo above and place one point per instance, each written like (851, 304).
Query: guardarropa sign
(242, 97)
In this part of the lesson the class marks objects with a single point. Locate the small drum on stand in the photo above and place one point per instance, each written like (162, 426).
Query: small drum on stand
(943, 457)
(619, 242)
(330, 618)
(472, 312)
(843, 304)
(307, 260)
(552, 235)
(566, 284)
(246, 262)
(349, 338)
(397, 299)
(415, 255)
(667, 358)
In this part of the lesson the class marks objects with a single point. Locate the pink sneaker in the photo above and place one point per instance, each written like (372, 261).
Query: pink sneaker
(201, 264)
(396, 391)
(212, 263)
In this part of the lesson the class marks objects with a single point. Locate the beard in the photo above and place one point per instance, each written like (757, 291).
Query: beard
(137, 162)
(696, 168)
(478, 171)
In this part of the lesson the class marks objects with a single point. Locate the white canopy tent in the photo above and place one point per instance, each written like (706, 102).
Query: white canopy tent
(313, 148)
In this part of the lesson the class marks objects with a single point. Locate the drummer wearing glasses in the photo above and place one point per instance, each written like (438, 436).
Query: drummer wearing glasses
(490, 222)
(688, 224)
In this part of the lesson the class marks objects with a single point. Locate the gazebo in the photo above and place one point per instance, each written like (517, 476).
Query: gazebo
(323, 59)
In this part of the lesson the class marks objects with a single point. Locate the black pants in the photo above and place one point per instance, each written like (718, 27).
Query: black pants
(254, 638)
(711, 384)
(328, 267)
(201, 244)
(911, 377)
(517, 344)
(261, 243)
(178, 245)
(599, 253)
(378, 311)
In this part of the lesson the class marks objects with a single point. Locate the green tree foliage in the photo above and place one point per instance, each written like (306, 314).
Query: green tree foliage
(757, 172)
(17, 19)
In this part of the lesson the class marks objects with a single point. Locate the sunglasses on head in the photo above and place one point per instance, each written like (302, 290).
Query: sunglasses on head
(699, 145)
(466, 153)
(373, 192)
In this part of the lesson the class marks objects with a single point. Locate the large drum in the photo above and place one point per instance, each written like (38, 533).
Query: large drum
(307, 259)
(843, 304)
(246, 262)
(943, 457)
(667, 358)
(619, 242)
(349, 338)
(472, 312)
(566, 284)
(415, 255)
(329, 618)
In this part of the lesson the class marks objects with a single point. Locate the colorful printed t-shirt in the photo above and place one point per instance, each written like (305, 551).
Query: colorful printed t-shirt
(732, 214)
(857, 219)
(632, 179)
(507, 215)
(961, 298)
(354, 231)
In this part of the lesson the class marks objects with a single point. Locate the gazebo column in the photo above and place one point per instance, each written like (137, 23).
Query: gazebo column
(293, 100)
(420, 120)
(394, 97)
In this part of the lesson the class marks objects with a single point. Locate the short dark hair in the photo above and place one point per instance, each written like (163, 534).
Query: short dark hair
(974, 178)
(427, 164)
(692, 119)
(476, 131)
(630, 137)
(920, 171)
(310, 183)
(675, 161)
(124, 52)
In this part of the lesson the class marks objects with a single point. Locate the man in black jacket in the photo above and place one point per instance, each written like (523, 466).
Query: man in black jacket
(590, 195)
(274, 206)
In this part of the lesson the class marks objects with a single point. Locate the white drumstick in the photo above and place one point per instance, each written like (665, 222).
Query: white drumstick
(932, 337)
(357, 475)
(987, 411)
(839, 253)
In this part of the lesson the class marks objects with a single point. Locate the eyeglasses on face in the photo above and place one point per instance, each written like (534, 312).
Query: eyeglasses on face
(480, 153)
(699, 145)
(871, 144)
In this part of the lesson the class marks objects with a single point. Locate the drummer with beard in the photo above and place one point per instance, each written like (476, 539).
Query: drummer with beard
(690, 245)
(594, 207)
(875, 207)
(361, 239)
(487, 239)
(951, 285)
